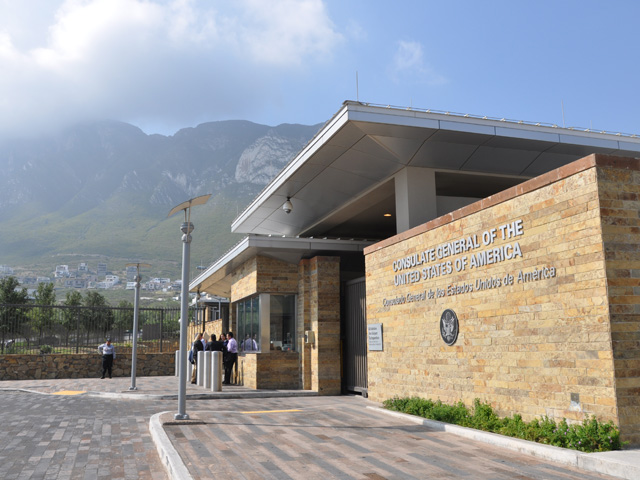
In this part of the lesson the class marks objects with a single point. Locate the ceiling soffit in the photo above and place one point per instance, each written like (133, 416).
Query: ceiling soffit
(363, 147)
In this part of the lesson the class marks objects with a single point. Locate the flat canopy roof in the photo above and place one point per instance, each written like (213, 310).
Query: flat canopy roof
(342, 181)
(216, 279)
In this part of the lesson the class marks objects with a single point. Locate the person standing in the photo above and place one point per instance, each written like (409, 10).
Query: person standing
(213, 345)
(232, 358)
(108, 352)
(196, 347)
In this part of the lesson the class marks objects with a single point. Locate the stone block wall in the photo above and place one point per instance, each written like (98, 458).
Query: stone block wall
(324, 308)
(619, 191)
(270, 370)
(304, 320)
(316, 282)
(525, 272)
(37, 367)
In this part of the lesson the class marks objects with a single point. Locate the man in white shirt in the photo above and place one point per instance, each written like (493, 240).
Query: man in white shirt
(232, 358)
(108, 353)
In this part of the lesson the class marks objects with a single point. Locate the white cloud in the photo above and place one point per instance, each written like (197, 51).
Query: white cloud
(409, 65)
(181, 60)
(287, 31)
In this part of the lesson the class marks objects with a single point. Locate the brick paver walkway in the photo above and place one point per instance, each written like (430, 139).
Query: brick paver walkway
(338, 437)
(77, 437)
(56, 434)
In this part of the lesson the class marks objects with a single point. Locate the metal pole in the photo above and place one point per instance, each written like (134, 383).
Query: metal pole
(186, 229)
(134, 350)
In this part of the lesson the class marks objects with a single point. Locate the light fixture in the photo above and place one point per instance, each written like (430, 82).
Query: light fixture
(186, 228)
(287, 206)
(387, 215)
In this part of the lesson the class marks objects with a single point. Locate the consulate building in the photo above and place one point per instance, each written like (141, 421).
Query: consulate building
(408, 252)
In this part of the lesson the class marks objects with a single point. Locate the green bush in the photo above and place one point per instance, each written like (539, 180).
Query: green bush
(590, 436)
(46, 349)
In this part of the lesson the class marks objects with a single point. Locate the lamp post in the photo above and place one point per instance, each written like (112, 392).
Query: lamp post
(186, 228)
(136, 310)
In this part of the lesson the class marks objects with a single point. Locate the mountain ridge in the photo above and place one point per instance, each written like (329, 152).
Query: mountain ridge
(105, 188)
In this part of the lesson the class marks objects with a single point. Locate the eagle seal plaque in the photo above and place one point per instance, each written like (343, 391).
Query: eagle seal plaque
(449, 326)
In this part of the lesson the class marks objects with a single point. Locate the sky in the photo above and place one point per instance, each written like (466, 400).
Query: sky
(166, 65)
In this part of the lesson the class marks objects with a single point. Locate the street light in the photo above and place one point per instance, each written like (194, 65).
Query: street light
(186, 228)
(136, 309)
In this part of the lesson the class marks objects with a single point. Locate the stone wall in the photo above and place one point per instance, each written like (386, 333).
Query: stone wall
(270, 370)
(324, 318)
(619, 192)
(316, 282)
(527, 279)
(36, 367)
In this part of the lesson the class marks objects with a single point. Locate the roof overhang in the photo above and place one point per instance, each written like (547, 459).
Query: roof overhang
(350, 161)
(216, 279)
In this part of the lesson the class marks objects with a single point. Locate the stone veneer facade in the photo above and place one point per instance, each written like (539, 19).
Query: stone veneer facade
(551, 328)
(36, 367)
(316, 282)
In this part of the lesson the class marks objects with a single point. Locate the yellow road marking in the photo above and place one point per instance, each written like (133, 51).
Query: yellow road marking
(273, 411)
(68, 392)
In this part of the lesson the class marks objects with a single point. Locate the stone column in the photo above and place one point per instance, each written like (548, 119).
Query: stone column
(304, 314)
(324, 275)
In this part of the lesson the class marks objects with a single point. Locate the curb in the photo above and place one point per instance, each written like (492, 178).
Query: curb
(190, 396)
(606, 463)
(169, 456)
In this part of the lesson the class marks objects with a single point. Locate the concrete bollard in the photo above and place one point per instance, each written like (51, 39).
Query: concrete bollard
(206, 371)
(216, 372)
(200, 371)
(177, 362)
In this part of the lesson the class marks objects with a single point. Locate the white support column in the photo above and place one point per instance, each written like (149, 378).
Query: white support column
(206, 373)
(200, 368)
(415, 197)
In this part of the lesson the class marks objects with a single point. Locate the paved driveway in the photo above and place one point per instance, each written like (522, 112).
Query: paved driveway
(77, 437)
(338, 437)
(94, 436)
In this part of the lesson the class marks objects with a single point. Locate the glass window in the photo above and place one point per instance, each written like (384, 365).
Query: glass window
(248, 317)
(282, 322)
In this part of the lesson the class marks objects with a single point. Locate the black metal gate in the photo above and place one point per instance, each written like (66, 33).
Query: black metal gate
(355, 337)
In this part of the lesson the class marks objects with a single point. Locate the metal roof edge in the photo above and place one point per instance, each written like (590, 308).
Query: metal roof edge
(327, 131)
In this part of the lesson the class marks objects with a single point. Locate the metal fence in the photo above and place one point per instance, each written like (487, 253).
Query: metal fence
(37, 329)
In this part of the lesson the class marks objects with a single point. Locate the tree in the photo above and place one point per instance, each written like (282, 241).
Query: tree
(124, 320)
(45, 297)
(12, 316)
(10, 293)
(71, 316)
(99, 317)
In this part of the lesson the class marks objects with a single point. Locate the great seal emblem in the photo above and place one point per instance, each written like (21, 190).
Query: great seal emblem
(449, 326)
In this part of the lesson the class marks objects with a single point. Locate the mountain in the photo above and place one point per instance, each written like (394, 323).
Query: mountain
(104, 189)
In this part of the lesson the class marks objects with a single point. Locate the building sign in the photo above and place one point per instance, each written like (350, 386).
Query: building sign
(462, 255)
(375, 336)
(449, 326)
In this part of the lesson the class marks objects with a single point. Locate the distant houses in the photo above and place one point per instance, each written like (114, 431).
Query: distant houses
(83, 277)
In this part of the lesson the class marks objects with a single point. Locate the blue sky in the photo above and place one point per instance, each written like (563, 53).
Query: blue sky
(164, 65)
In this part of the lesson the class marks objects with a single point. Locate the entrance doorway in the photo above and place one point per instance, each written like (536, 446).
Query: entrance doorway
(355, 337)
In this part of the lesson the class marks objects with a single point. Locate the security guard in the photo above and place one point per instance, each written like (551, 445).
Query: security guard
(108, 353)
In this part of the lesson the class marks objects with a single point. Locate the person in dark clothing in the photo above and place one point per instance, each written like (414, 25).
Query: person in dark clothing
(214, 345)
(197, 347)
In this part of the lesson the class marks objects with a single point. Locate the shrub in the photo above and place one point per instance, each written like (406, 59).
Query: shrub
(46, 349)
(590, 436)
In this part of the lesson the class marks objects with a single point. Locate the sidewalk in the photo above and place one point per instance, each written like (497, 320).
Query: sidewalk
(296, 434)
